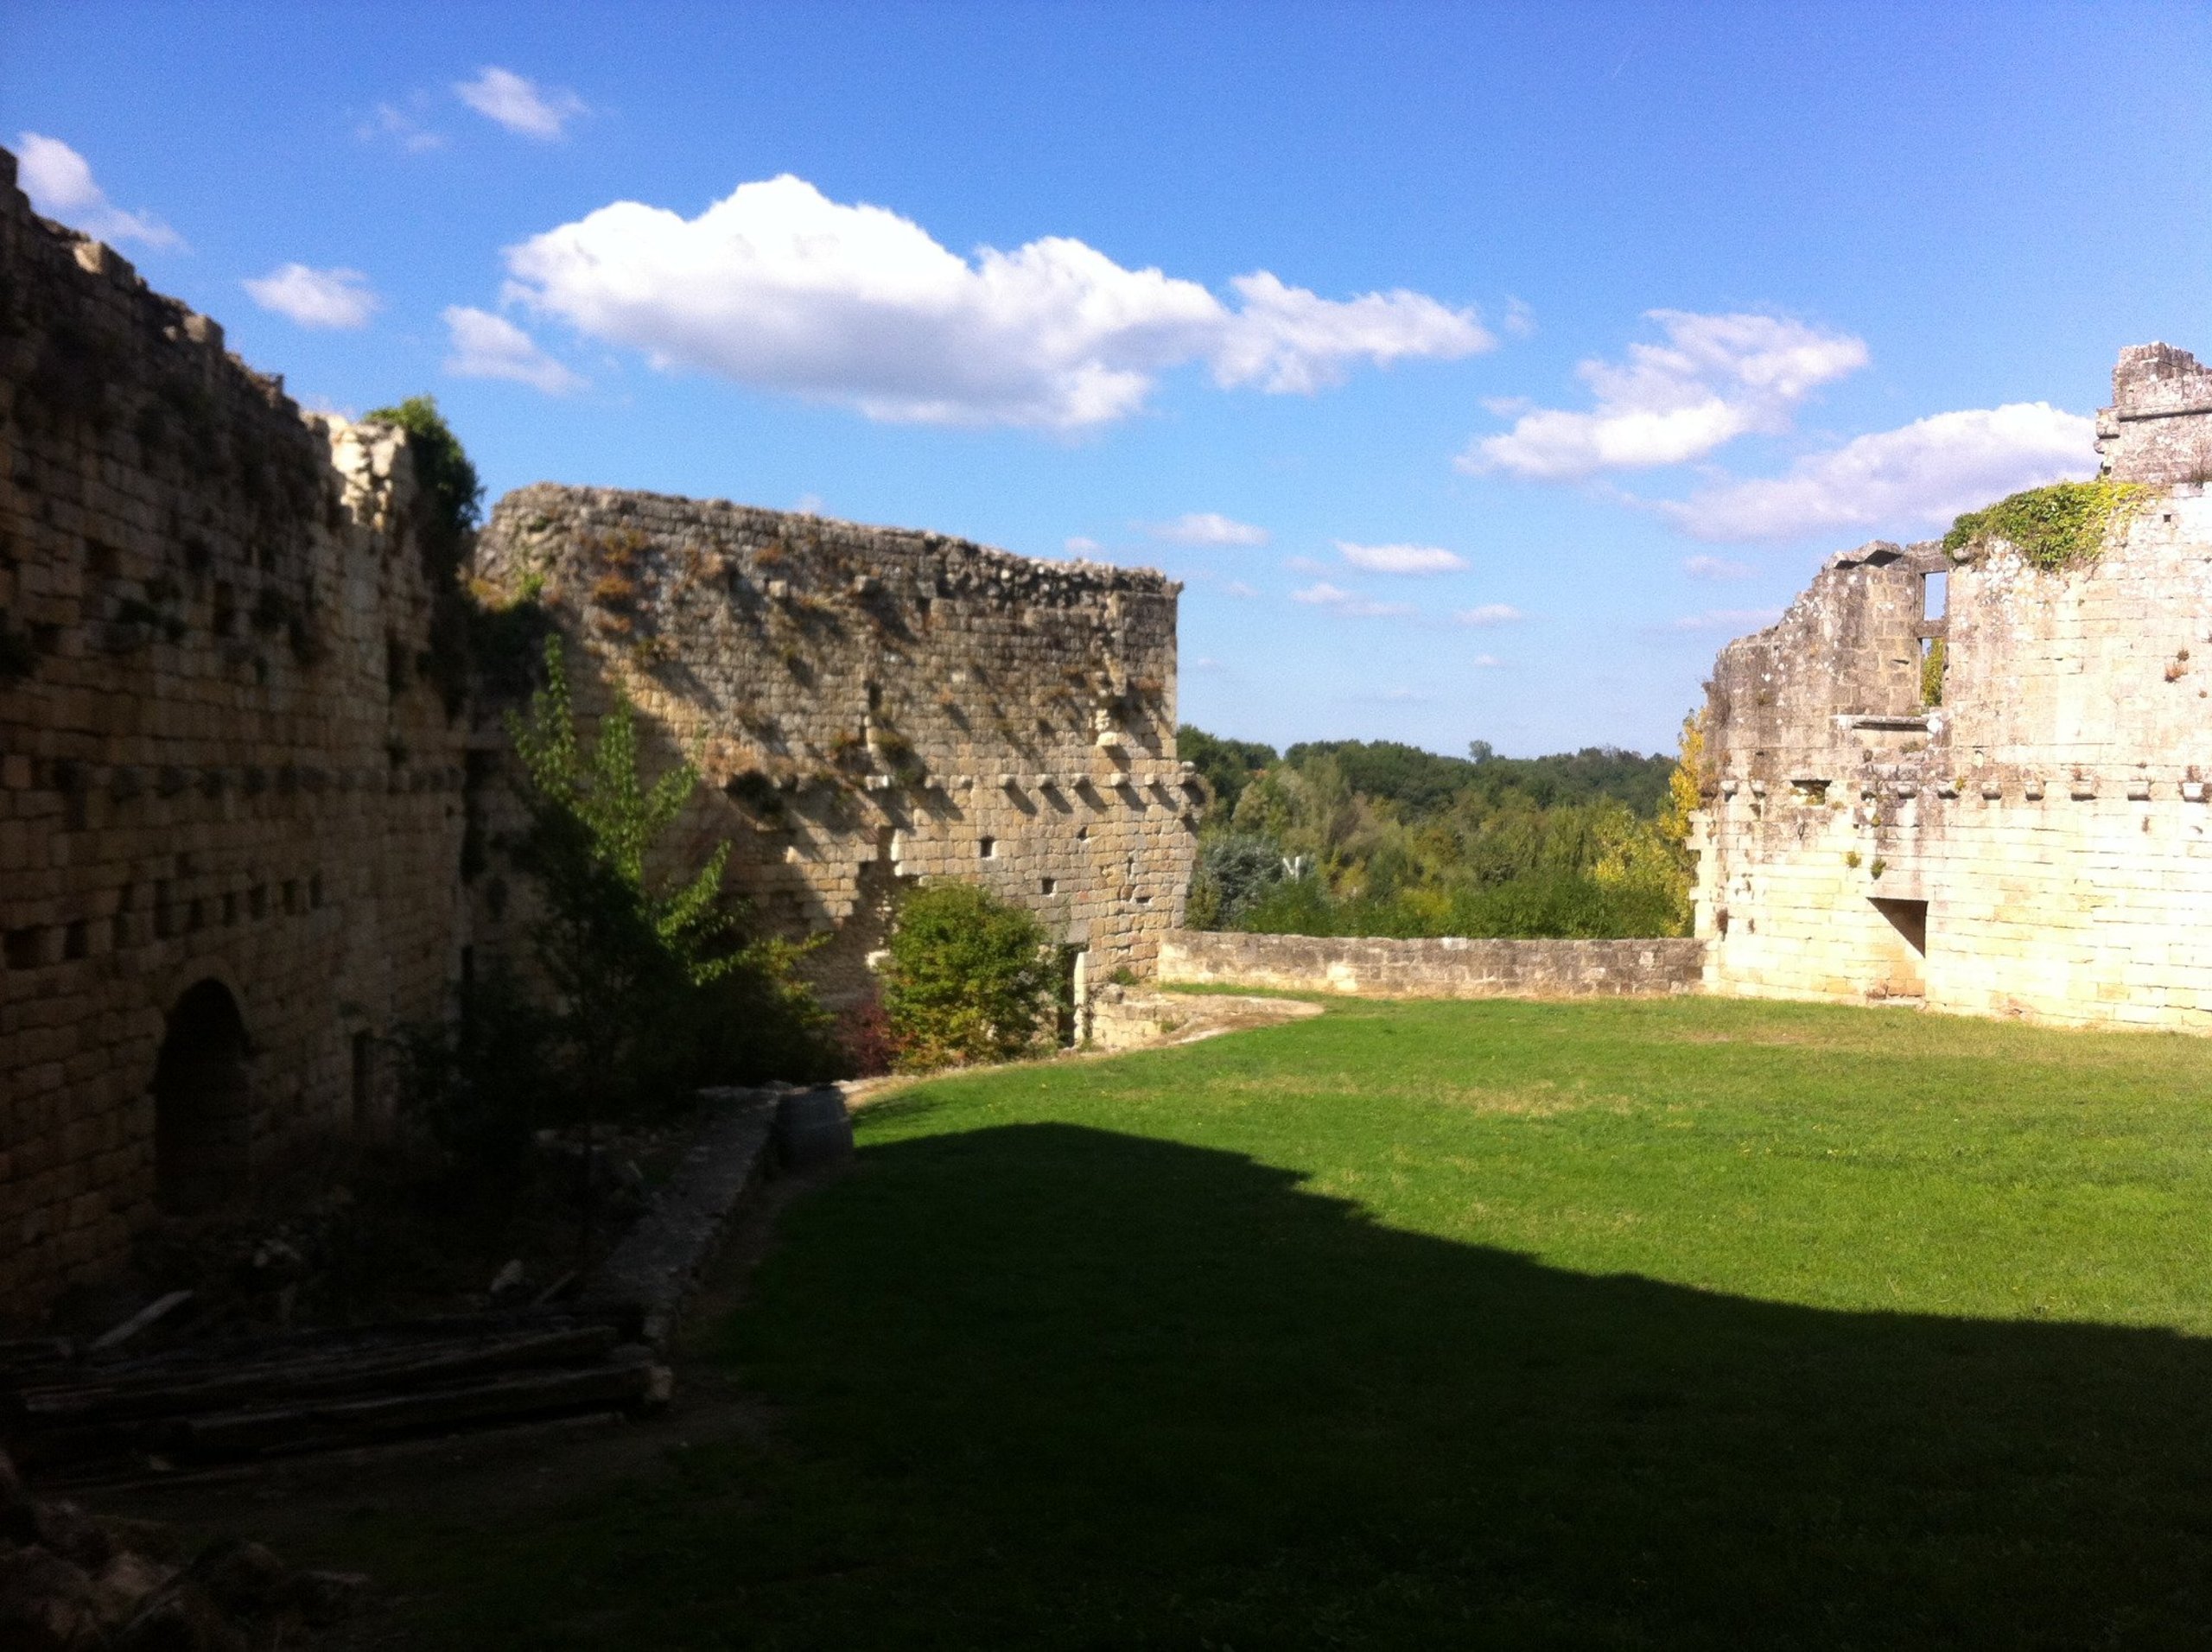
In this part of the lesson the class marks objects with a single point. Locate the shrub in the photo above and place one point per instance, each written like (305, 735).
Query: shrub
(452, 497)
(968, 978)
(1234, 869)
(2055, 527)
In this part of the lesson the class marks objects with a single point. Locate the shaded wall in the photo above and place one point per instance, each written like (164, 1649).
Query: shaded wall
(222, 758)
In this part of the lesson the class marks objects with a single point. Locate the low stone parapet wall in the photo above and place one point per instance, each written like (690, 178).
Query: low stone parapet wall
(1440, 969)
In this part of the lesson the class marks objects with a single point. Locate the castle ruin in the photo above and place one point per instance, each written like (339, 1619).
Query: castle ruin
(2028, 839)
(251, 790)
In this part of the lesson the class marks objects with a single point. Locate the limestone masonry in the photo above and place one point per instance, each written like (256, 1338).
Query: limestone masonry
(251, 797)
(871, 704)
(229, 794)
(1382, 968)
(2035, 844)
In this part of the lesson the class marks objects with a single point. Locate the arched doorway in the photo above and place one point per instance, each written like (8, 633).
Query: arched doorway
(203, 1103)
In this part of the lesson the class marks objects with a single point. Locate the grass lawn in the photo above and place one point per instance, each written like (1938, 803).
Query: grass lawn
(1686, 1323)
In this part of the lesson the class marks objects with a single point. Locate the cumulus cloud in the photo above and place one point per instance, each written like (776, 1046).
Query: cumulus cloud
(780, 288)
(1208, 528)
(1077, 544)
(1716, 377)
(332, 298)
(1400, 559)
(1730, 620)
(1322, 594)
(518, 104)
(1716, 567)
(61, 184)
(1919, 476)
(486, 346)
(1488, 615)
(1486, 662)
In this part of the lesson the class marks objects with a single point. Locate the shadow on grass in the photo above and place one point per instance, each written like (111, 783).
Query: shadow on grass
(1049, 1385)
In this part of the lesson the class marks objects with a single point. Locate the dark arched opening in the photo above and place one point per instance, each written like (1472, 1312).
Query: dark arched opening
(203, 1103)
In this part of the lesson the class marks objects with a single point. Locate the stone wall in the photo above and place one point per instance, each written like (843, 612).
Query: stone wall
(1377, 967)
(874, 706)
(2158, 429)
(2036, 844)
(230, 793)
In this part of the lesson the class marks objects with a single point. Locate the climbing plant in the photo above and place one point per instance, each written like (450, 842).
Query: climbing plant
(2056, 527)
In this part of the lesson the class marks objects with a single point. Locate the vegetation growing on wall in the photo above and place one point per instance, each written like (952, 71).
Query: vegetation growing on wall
(1361, 838)
(654, 989)
(969, 978)
(452, 495)
(2060, 526)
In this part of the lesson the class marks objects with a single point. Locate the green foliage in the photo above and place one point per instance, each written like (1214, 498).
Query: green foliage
(654, 991)
(1233, 870)
(1422, 783)
(2056, 527)
(1931, 673)
(1447, 846)
(453, 497)
(969, 978)
(1228, 765)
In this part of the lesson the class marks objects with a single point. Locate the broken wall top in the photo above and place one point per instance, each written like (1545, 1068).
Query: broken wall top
(2158, 429)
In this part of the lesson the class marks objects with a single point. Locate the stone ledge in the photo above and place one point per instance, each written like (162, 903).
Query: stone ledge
(1449, 968)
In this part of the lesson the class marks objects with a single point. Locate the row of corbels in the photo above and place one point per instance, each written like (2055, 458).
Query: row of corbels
(2033, 788)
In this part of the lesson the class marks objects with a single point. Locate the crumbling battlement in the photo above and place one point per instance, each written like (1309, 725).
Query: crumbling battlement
(229, 794)
(2158, 429)
(2039, 842)
(870, 705)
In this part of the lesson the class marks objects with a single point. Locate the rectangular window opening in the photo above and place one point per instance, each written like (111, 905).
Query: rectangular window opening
(1934, 595)
(986, 848)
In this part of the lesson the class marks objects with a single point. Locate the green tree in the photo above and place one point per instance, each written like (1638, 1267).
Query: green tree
(968, 979)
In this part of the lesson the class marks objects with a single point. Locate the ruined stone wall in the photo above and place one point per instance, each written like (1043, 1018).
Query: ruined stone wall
(221, 761)
(870, 706)
(1453, 968)
(2158, 429)
(2035, 845)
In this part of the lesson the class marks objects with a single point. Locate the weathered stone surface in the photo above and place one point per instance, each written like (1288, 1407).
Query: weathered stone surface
(221, 758)
(2158, 429)
(873, 706)
(1379, 968)
(2035, 846)
(243, 787)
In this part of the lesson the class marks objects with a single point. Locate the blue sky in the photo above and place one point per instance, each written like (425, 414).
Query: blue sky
(1482, 370)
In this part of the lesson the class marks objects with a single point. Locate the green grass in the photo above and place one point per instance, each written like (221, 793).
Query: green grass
(1611, 1324)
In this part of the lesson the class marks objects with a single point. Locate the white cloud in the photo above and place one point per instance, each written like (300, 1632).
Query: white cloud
(60, 182)
(1489, 614)
(1715, 378)
(1206, 663)
(1207, 528)
(518, 104)
(809, 504)
(1486, 662)
(1520, 319)
(1237, 587)
(1918, 476)
(486, 346)
(1716, 567)
(1733, 619)
(332, 298)
(1077, 544)
(1322, 594)
(402, 126)
(780, 288)
(1400, 559)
